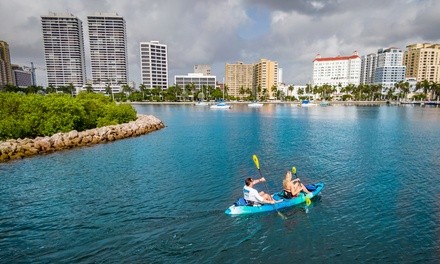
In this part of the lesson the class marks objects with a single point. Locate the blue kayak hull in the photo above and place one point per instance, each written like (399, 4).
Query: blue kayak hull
(301, 198)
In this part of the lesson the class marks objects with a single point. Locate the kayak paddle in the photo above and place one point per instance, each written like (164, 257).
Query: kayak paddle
(257, 164)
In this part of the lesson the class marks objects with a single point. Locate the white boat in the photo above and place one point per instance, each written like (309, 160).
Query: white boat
(201, 103)
(220, 106)
(255, 104)
(306, 103)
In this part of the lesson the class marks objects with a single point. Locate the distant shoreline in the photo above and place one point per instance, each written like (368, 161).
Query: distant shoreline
(284, 102)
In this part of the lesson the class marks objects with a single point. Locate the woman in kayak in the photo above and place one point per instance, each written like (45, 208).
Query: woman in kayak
(252, 196)
(291, 188)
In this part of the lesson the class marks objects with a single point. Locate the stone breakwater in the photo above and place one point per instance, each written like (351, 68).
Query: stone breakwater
(21, 148)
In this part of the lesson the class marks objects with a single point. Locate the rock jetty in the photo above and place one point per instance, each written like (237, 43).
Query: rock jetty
(20, 148)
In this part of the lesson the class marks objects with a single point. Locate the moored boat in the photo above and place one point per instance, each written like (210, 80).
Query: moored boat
(201, 103)
(220, 106)
(255, 104)
(281, 203)
(307, 103)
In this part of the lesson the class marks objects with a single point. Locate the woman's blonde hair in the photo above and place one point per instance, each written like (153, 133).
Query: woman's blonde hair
(287, 178)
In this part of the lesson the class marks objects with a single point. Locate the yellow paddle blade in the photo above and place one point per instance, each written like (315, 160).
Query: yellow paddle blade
(255, 158)
(293, 170)
(308, 201)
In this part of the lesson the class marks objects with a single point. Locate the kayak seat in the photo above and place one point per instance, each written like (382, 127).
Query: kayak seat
(310, 187)
(242, 202)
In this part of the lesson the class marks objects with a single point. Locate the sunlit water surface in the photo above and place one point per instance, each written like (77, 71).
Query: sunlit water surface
(161, 197)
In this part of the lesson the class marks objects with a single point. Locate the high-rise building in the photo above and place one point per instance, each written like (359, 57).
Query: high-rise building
(335, 71)
(422, 61)
(266, 77)
(108, 49)
(154, 64)
(368, 64)
(239, 75)
(6, 76)
(63, 49)
(389, 69)
(203, 69)
(22, 76)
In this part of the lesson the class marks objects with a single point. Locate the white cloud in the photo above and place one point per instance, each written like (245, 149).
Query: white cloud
(211, 32)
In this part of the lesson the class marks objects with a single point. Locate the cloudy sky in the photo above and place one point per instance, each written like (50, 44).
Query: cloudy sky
(216, 32)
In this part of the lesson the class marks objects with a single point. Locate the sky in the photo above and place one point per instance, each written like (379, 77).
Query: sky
(217, 32)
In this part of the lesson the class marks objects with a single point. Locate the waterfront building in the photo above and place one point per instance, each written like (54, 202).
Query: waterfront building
(199, 80)
(108, 49)
(266, 77)
(422, 61)
(368, 64)
(389, 69)
(239, 75)
(154, 64)
(280, 76)
(203, 69)
(2, 73)
(63, 49)
(22, 76)
(337, 71)
(6, 76)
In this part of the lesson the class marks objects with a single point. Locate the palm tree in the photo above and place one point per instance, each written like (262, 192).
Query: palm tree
(143, 88)
(274, 90)
(70, 89)
(89, 88)
(126, 89)
(241, 91)
(193, 89)
(290, 89)
(248, 91)
(108, 90)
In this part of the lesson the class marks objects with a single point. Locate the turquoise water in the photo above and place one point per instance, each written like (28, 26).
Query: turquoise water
(160, 198)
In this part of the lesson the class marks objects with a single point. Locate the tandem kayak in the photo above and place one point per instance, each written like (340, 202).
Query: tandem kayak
(249, 209)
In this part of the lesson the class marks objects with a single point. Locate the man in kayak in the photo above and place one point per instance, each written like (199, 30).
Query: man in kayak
(292, 188)
(252, 196)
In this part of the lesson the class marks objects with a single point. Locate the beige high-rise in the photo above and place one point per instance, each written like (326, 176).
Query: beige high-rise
(266, 76)
(239, 75)
(422, 61)
(6, 76)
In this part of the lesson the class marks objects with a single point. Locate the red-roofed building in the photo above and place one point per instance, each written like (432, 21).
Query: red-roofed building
(343, 70)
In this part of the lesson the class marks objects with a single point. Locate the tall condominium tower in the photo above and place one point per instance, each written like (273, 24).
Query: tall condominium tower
(389, 69)
(368, 64)
(108, 48)
(422, 62)
(239, 75)
(335, 71)
(266, 76)
(6, 76)
(154, 64)
(63, 49)
(203, 69)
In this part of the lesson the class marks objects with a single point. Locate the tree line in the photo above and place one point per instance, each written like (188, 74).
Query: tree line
(363, 92)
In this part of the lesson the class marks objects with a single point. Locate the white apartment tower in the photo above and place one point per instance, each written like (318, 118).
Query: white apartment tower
(154, 64)
(368, 65)
(343, 70)
(389, 68)
(108, 49)
(63, 49)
